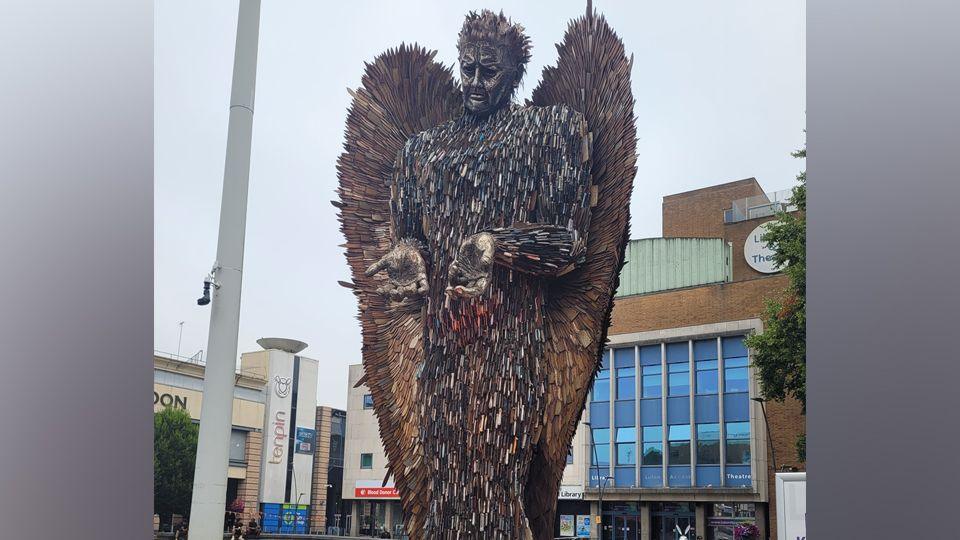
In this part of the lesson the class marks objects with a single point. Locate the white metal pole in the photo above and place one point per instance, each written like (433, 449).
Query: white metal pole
(213, 449)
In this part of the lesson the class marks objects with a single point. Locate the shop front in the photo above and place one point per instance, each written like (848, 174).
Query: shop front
(732, 521)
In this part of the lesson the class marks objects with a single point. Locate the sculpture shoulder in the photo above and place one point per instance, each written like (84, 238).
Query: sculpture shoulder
(549, 115)
(426, 137)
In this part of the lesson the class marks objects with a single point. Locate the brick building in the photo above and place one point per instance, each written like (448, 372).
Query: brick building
(678, 436)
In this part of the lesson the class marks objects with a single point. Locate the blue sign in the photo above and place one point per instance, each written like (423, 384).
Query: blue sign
(306, 440)
(285, 518)
(739, 476)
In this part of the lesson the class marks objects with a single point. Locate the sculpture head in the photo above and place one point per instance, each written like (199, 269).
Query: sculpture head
(493, 54)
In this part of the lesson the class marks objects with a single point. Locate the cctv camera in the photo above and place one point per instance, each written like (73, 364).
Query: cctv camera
(205, 299)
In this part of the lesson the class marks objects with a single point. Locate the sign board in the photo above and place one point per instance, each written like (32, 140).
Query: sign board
(567, 524)
(306, 440)
(792, 506)
(571, 493)
(372, 489)
(758, 255)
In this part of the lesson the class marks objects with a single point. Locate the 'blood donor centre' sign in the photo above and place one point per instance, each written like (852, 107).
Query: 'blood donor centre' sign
(757, 253)
(373, 490)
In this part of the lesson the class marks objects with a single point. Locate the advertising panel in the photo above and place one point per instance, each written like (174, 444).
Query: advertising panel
(583, 526)
(567, 525)
(792, 506)
(306, 440)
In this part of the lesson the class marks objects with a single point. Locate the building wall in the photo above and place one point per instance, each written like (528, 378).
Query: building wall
(694, 306)
(321, 468)
(363, 436)
(249, 490)
(699, 213)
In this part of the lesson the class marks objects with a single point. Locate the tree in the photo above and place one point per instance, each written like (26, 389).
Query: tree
(780, 351)
(174, 456)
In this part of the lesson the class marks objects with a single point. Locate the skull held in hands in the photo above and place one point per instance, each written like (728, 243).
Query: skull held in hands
(406, 272)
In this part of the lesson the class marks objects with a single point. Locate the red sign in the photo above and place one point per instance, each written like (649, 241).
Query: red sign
(375, 492)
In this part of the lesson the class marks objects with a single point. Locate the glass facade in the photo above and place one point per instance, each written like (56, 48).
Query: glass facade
(673, 414)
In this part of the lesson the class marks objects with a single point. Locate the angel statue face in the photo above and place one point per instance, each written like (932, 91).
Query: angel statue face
(493, 54)
(487, 76)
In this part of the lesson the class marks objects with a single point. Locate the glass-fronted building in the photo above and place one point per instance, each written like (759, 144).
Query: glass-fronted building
(671, 438)
(673, 414)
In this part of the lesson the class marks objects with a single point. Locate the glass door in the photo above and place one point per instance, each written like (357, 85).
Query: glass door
(677, 527)
(627, 527)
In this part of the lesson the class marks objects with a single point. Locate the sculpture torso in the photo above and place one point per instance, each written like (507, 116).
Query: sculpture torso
(482, 384)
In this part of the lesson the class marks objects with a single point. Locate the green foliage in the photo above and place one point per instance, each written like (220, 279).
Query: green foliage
(802, 447)
(780, 352)
(174, 454)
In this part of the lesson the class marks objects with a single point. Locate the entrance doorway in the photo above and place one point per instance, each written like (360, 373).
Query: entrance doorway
(672, 521)
(621, 521)
(626, 527)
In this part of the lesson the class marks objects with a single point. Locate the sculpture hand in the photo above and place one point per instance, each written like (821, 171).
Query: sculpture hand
(470, 271)
(406, 272)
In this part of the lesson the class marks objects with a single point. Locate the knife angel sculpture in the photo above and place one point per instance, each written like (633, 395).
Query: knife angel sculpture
(485, 240)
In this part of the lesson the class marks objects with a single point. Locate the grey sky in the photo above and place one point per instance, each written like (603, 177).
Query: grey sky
(720, 96)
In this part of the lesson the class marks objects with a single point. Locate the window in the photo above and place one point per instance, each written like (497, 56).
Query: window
(627, 446)
(570, 456)
(678, 377)
(601, 444)
(626, 383)
(679, 438)
(708, 444)
(706, 376)
(652, 381)
(735, 374)
(367, 401)
(652, 446)
(366, 461)
(238, 446)
(601, 386)
(738, 443)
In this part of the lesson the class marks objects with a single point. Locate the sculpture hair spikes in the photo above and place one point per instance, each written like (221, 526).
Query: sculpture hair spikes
(497, 30)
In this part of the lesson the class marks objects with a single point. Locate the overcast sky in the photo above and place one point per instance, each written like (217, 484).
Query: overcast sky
(720, 91)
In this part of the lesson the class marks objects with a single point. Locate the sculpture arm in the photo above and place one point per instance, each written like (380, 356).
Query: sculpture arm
(405, 262)
(557, 242)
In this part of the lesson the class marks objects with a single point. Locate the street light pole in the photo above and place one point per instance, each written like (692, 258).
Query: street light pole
(213, 446)
(773, 454)
(600, 482)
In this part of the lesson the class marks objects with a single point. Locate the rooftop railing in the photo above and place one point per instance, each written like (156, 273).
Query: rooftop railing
(759, 206)
(195, 359)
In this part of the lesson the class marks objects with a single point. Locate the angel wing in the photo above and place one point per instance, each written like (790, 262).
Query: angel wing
(403, 92)
(592, 76)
